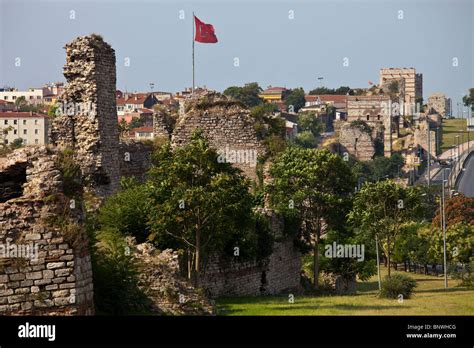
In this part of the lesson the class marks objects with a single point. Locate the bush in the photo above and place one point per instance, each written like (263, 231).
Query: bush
(116, 275)
(396, 285)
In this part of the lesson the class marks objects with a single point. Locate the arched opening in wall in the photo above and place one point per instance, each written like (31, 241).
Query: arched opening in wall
(368, 117)
(378, 117)
(11, 181)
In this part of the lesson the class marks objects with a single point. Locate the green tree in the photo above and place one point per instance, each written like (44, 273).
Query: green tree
(128, 211)
(459, 243)
(295, 99)
(324, 90)
(306, 189)
(20, 102)
(248, 94)
(381, 208)
(202, 203)
(468, 100)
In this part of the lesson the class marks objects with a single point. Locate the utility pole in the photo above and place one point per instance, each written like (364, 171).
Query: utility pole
(378, 262)
(443, 216)
(320, 81)
(429, 153)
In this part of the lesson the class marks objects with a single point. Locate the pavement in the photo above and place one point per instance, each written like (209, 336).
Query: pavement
(447, 154)
(466, 179)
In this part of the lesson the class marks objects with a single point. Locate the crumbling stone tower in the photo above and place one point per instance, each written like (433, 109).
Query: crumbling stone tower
(87, 120)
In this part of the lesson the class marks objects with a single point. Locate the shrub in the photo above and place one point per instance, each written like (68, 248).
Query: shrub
(396, 285)
(116, 275)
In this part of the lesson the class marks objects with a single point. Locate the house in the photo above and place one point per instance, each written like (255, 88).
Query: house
(32, 95)
(133, 102)
(31, 127)
(6, 106)
(146, 115)
(275, 95)
(336, 100)
(142, 133)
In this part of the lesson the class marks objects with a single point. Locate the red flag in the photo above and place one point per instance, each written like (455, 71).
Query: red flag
(204, 32)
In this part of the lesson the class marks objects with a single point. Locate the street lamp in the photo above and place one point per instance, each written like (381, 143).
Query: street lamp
(443, 216)
(320, 78)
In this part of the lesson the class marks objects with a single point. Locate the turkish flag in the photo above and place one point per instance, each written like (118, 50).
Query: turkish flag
(204, 32)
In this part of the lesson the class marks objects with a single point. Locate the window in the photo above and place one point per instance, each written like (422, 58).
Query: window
(38, 97)
(378, 117)
(24, 122)
(5, 97)
(14, 97)
(31, 97)
(36, 131)
(36, 122)
(36, 141)
(14, 131)
(24, 131)
(15, 121)
(6, 141)
(368, 118)
(5, 122)
(24, 141)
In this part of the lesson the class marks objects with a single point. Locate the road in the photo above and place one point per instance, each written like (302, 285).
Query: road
(466, 182)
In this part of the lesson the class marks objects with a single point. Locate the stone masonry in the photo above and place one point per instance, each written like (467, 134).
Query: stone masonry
(357, 142)
(87, 121)
(228, 126)
(45, 266)
(278, 273)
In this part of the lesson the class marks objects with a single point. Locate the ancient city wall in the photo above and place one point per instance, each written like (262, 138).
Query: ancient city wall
(135, 159)
(87, 121)
(45, 266)
(278, 273)
(228, 126)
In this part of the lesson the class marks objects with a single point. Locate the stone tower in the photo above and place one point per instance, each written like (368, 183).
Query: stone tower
(87, 118)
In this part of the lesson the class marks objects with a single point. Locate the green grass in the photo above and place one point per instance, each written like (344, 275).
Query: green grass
(429, 298)
(451, 128)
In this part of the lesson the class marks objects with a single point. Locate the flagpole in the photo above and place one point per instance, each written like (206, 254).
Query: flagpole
(192, 87)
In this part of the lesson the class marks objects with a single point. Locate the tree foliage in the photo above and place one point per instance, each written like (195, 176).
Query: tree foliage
(380, 210)
(295, 99)
(306, 190)
(248, 94)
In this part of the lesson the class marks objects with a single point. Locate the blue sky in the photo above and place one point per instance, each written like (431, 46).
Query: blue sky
(272, 48)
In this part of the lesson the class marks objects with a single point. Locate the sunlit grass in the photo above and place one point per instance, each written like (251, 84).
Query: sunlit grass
(451, 128)
(430, 298)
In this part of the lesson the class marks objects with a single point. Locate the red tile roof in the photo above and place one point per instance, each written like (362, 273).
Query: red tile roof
(18, 114)
(274, 90)
(334, 98)
(146, 129)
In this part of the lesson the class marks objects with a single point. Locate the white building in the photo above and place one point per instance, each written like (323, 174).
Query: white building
(32, 95)
(30, 127)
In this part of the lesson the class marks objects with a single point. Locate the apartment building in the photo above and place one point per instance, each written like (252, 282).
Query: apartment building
(32, 128)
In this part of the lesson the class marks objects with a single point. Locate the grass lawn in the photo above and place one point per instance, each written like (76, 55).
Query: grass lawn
(451, 128)
(429, 298)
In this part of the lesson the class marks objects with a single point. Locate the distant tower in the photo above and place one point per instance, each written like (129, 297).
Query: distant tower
(88, 123)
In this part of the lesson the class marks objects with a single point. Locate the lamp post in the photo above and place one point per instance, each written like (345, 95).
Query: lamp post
(429, 154)
(459, 154)
(443, 216)
(320, 78)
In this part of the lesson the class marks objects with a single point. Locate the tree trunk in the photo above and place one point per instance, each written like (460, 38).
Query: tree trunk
(388, 256)
(316, 265)
(197, 258)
